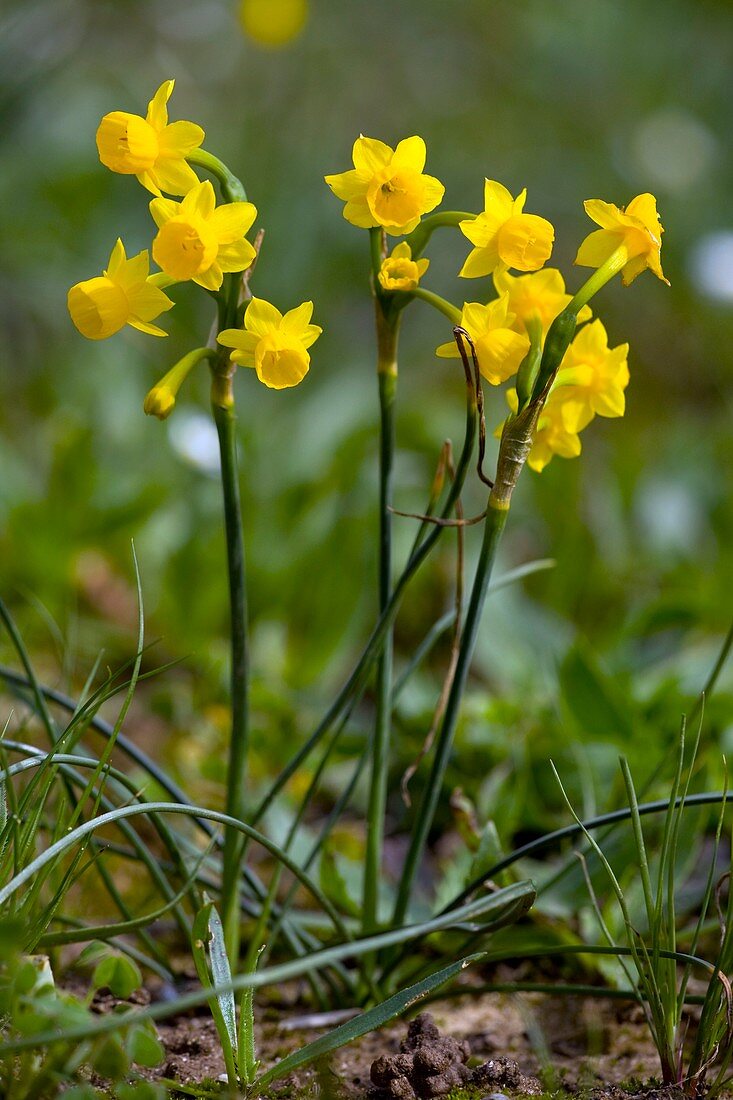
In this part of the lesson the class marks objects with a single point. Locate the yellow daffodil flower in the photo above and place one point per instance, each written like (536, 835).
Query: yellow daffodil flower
(200, 241)
(387, 186)
(151, 148)
(592, 379)
(499, 349)
(273, 23)
(399, 271)
(551, 436)
(536, 297)
(273, 343)
(636, 228)
(122, 295)
(504, 236)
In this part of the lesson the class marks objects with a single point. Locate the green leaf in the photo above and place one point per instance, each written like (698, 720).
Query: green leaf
(367, 1021)
(593, 699)
(488, 853)
(205, 931)
(140, 1090)
(144, 1047)
(118, 974)
(334, 885)
(110, 1059)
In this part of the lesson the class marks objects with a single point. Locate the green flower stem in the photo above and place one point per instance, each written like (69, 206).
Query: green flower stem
(494, 523)
(374, 644)
(232, 188)
(435, 300)
(562, 329)
(420, 236)
(224, 417)
(387, 338)
(598, 279)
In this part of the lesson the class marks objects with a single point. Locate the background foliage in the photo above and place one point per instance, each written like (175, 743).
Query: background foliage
(573, 100)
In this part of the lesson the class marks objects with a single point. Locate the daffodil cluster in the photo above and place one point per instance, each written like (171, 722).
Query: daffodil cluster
(530, 329)
(198, 239)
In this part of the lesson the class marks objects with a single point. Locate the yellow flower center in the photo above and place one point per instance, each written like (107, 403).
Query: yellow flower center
(98, 307)
(127, 143)
(395, 197)
(185, 247)
(280, 361)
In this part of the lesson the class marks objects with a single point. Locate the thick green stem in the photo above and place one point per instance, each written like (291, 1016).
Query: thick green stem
(387, 337)
(493, 527)
(224, 417)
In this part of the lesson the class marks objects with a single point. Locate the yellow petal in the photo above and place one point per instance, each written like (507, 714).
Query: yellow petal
(411, 154)
(236, 256)
(261, 317)
(148, 302)
(347, 185)
(448, 351)
(597, 247)
(644, 207)
(482, 261)
(211, 279)
(132, 273)
(498, 201)
(163, 210)
(357, 212)
(603, 213)
(297, 320)
(369, 155)
(232, 220)
(401, 251)
(157, 110)
(433, 191)
(145, 326)
(176, 177)
(117, 260)
(180, 138)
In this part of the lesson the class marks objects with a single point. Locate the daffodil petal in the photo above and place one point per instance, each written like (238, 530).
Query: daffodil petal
(261, 317)
(157, 110)
(370, 154)
(411, 153)
(232, 220)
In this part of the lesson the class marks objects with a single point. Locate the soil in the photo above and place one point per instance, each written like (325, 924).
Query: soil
(488, 1044)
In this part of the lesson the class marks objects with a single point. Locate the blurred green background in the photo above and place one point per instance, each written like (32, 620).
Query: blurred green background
(571, 99)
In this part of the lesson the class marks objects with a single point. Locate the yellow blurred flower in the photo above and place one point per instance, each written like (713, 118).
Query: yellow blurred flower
(504, 236)
(151, 148)
(399, 271)
(122, 295)
(636, 227)
(387, 186)
(551, 436)
(273, 343)
(592, 379)
(273, 23)
(539, 296)
(499, 349)
(200, 241)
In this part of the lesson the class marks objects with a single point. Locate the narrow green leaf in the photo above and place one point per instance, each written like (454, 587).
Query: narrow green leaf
(222, 975)
(367, 1021)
